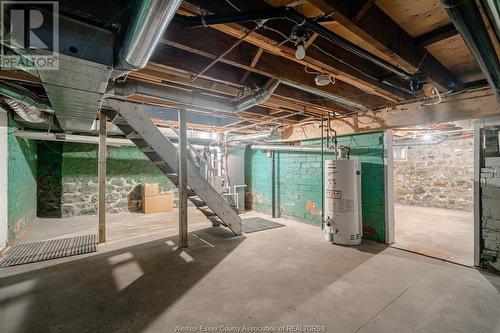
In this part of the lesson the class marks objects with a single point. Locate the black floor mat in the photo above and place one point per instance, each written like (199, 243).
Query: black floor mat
(254, 224)
(50, 249)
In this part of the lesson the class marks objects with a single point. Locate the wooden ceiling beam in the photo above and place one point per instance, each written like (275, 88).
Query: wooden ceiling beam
(256, 58)
(362, 11)
(276, 102)
(437, 35)
(380, 30)
(345, 70)
(269, 65)
(467, 105)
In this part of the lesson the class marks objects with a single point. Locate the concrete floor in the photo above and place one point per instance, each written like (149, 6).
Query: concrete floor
(442, 233)
(139, 281)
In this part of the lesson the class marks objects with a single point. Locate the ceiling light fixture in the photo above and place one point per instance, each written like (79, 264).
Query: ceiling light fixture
(300, 52)
(324, 79)
(299, 36)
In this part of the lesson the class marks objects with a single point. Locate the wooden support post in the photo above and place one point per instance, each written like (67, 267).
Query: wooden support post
(102, 177)
(183, 241)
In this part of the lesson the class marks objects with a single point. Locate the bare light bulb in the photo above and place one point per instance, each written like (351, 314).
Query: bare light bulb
(300, 53)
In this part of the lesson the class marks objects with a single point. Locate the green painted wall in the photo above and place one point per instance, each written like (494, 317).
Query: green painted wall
(22, 173)
(80, 161)
(298, 182)
(75, 168)
(49, 178)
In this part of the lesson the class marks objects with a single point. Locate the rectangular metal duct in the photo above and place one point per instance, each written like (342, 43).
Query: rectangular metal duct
(75, 91)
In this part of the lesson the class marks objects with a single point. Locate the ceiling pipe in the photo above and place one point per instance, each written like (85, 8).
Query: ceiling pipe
(267, 135)
(309, 24)
(492, 9)
(467, 19)
(28, 106)
(291, 148)
(149, 22)
(257, 98)
(131, 88)
(334, 98)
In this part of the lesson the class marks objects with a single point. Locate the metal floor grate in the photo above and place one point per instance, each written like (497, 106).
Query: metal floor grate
(50, 249)
(253, 224)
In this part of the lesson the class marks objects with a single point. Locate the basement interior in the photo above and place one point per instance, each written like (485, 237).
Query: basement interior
(250, 166)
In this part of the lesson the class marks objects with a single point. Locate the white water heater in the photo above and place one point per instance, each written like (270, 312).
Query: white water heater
(343, 200)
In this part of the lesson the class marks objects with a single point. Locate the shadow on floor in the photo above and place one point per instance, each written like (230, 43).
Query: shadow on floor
(122, 290)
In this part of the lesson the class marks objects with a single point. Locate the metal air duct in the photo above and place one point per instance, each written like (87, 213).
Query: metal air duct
(467, 18)
(144, 33)
(138, 88)
(26, 105)
(259, 97)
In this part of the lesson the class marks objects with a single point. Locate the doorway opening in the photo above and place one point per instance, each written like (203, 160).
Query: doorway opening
(433, 191)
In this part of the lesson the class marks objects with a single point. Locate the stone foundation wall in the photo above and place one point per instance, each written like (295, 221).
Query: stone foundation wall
(127, 168)
(439, 175)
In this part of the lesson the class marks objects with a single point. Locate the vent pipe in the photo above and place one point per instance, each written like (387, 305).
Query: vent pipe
(467, 18)
(257, 98)
(26, 105)
(148, 25)
(137, 88)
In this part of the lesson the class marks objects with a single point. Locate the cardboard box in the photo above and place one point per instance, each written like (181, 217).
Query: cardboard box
(163, 202)
(150, 190)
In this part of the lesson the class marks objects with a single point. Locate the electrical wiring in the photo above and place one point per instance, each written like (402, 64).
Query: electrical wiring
(233, 5)
(436, 95)
(332, 79)
(265, 27)
(309, 71)
(344, 62)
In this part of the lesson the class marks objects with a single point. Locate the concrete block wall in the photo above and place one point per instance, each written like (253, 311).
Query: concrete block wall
(436, 175)
(22, 183)
(298, 182)
(127, 168)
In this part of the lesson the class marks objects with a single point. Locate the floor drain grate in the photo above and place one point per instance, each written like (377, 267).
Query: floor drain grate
(50, 249)
(253, 224)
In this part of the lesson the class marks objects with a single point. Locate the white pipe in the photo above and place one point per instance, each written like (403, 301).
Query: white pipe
(34, 135)
(291, 148)
(337, 99)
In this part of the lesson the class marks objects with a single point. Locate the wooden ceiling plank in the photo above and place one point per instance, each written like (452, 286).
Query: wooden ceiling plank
(256, 58)
(383, 32)
(346, 74)
(364, 8)
(437, 35)
(269, 64)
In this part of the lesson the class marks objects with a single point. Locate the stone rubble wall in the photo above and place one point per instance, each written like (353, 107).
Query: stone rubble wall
(76, 187)
(439, 175)
(80, 196)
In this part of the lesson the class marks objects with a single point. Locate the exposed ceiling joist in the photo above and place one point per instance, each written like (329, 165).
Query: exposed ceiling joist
(384, 33)
(316, 60)
(269, 64)
(437, 35)
(468, 105)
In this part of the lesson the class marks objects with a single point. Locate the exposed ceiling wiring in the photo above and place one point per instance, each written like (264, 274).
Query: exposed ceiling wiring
(344, 62)
(233, 5)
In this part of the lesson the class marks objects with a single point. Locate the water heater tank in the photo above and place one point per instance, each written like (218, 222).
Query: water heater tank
(343, 200)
